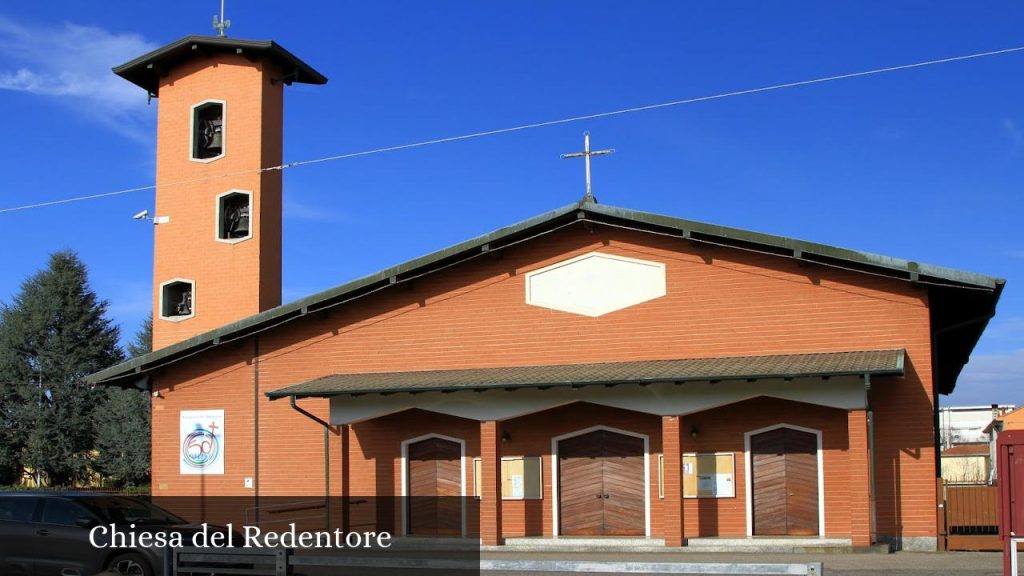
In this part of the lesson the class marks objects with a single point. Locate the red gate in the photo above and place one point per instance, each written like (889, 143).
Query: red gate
(1010, 472)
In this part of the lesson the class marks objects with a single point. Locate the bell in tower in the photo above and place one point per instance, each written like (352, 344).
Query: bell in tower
(212, 137)
(234, 215)
(208, 131)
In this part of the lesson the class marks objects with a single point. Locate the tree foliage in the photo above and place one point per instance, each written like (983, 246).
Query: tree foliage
(53, 334)
(10, 443)
(122, 437)
(143, 342)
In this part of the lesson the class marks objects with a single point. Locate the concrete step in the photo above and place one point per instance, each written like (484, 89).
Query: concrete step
(582, 544)
(781, 545)
(694, 545)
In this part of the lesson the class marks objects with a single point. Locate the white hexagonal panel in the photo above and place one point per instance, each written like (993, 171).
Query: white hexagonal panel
(595, 284)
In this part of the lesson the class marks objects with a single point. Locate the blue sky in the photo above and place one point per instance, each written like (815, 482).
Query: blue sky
(924, 164)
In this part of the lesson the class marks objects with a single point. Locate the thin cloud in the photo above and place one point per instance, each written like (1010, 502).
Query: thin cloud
(130, 299)
(1003, 330)
(71, 64)
(889, 134)
(992, 379)
(130, 303)
(297, 210)
(292, 293)
(1014, 133)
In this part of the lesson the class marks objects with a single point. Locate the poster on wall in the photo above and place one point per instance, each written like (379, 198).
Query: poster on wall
(202, 442)
(710, 475)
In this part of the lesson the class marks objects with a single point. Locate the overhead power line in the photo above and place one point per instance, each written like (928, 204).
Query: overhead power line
(530, 126)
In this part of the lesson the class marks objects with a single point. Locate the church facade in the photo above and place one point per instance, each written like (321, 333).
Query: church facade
(593, 371)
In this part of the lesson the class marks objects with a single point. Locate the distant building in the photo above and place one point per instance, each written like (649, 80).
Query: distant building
(964, 435)
(967, 464)
(1010, 420)
(968, 424)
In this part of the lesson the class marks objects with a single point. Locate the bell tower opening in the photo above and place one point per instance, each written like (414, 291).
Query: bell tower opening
(233, 216)
(177, 300)
(215, 93)
(207, 131)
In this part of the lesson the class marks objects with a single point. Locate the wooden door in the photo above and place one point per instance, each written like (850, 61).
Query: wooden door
(581, 486)
(434, 487)
(623, 485)
(601, 485)
(784, 472)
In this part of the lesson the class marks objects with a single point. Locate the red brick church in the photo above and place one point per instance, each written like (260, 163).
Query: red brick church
(592, 371)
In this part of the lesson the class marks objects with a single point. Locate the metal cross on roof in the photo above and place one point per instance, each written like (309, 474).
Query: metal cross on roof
(586, 154)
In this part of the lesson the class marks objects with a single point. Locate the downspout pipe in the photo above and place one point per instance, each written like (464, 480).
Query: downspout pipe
(327, 454)
(871, 457)
(256, 421)
(308, 414)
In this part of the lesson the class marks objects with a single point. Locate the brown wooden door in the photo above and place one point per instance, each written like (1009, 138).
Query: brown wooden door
(784, 470)
(601, 485)
(435, 487)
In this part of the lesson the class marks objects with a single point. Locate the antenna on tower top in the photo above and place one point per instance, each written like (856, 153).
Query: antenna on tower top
(221, 25)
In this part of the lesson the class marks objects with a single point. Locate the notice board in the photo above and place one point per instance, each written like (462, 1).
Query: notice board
(709, 475)
(520, 478)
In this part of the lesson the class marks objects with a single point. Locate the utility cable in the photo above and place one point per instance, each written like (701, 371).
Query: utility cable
(534, 125)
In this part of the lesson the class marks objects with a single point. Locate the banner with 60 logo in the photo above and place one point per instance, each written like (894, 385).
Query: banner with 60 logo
(202, 442)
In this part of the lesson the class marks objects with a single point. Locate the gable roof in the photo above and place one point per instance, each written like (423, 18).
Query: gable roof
(962, 302)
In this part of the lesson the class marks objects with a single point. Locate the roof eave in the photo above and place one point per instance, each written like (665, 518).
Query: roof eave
(804, 250)
(314, 302)
(145, 70)
(284, 393)
(729, 237)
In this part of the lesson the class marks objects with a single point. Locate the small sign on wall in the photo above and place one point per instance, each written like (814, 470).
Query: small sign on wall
(710, 475)
(202, 442)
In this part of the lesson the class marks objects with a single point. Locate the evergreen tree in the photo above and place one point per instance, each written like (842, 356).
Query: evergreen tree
(123, 432)
(143, 343)
(11, 442)
(53, 334)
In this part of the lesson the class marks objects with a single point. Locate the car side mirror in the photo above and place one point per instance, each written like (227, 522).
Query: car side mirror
(85, 522)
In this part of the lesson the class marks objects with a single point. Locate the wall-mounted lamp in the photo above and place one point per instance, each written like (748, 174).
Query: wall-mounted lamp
(694, 432)
(505, 436)
(157, 394)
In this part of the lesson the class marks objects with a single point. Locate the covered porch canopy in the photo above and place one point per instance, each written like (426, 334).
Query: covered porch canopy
(661, 387)
(670, 389)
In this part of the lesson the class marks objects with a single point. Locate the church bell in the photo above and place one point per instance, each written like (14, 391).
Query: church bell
(237, 224)
(213, 136)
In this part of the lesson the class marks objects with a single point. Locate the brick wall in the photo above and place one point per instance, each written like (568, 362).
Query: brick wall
(720, 302)
(232, 281)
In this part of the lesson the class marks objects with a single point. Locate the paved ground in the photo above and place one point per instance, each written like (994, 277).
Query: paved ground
(899, 564)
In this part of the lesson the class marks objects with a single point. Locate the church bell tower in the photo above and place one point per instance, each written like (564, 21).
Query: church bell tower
(217, 245)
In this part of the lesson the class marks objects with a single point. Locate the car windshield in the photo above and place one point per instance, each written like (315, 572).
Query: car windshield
(124, 510)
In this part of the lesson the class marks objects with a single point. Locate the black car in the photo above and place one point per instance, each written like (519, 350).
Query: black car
(48, 534)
